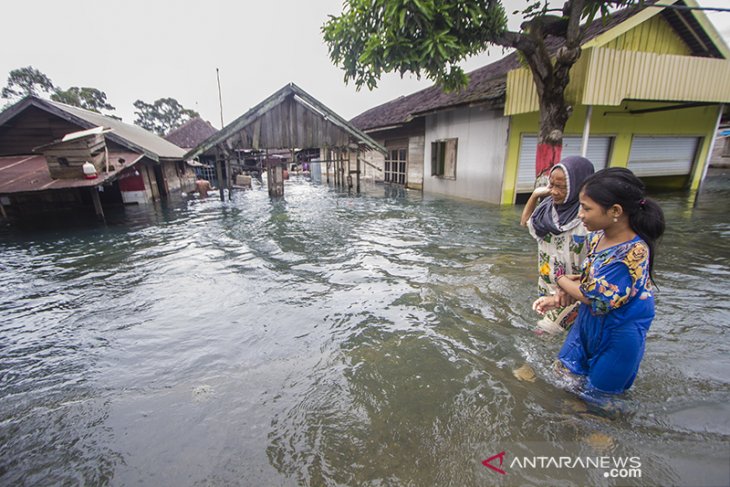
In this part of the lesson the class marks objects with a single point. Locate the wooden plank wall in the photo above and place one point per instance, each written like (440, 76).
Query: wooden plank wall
(66, 159)
(30, 129)
(288, 125)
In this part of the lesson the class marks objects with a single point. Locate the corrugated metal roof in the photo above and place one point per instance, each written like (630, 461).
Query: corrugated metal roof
(29, 173)
(146, 140)
(488, 84)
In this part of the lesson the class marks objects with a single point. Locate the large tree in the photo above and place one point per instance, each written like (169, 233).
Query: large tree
(162, 116)
(431, 37)
(26, 81)
(87, 98)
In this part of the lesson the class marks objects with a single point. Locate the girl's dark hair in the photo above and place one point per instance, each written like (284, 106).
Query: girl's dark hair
(619, 186)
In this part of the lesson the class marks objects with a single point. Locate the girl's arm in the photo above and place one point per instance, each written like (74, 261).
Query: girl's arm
(571, 285)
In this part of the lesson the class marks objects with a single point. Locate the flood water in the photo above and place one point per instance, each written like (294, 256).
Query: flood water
(330, 339)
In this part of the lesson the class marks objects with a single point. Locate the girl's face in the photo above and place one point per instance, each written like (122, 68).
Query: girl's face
(594, 216)
(558, 186)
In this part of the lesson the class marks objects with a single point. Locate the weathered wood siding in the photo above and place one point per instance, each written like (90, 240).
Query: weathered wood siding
(412, 137)
(66, 159)
(375, 160)
(30, 129)
(177, 176)
(415, 162)
(289, 124)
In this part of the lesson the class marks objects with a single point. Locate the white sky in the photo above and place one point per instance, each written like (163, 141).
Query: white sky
(150, 49)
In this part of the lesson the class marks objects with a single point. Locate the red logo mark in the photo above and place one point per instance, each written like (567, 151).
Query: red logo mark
(487, 463)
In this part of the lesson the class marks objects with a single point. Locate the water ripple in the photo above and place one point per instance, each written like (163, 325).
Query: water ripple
(331, 339)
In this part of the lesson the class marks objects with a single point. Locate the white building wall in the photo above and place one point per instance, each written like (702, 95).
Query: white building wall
(482, 147)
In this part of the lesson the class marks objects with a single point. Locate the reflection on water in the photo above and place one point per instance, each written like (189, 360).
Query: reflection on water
(328, 339)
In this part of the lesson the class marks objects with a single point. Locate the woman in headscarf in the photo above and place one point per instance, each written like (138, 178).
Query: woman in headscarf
(560, 236)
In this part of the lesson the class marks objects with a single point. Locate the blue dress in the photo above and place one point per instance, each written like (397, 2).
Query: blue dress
(606, 344)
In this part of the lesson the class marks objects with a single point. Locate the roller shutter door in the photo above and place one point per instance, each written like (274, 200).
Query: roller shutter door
(663, 156)
(598, 153)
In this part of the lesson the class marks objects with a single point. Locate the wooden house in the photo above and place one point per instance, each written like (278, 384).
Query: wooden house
(291, 120)
(647, 93)
(40, 163)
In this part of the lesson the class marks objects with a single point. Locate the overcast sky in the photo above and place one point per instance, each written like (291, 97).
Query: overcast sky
(151, 49)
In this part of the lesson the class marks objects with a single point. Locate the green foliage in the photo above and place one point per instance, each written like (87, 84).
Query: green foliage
(26, 81)
(430, 37)
(162, 116)
(88, 98)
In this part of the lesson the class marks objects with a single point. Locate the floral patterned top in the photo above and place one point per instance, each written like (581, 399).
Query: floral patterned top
(558, 255)
(605, 281)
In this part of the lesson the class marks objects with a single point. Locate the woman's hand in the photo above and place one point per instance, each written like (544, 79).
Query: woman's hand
(541, 191)
(544, 304)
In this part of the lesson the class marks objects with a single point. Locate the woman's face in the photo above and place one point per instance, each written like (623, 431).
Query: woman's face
(558, 186)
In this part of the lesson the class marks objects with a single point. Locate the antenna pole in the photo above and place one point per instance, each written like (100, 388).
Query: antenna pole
(220, 98)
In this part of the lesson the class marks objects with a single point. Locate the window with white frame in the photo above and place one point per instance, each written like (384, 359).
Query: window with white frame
(443, 158)
(395, 166)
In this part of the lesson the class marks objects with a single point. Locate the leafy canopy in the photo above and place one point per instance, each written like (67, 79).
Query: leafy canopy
(87, 98)
(372, 37)
(162, 115)
(431, 37)
(26, 81)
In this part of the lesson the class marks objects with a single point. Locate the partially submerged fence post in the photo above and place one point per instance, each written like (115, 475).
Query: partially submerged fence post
(219, 172)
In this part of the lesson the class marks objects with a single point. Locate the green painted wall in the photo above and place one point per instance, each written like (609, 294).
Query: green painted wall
(622, 126)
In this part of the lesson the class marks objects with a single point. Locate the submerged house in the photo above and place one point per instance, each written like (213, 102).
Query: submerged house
(290, 122)
(44, 145)
(188, 136)
(647, 91)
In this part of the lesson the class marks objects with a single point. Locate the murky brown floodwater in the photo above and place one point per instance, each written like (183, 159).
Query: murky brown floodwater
(337, 340)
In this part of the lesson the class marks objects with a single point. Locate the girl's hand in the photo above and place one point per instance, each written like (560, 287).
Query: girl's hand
(544, 304)
(564, 299)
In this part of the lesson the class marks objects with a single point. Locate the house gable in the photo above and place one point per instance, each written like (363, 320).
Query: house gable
(638, 60)
(31, 128)
(653, 35)
(289, 118)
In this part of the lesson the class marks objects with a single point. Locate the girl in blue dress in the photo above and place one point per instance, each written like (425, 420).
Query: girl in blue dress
(606, 344)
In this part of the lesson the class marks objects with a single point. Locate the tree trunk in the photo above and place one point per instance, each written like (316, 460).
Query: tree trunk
(551, 77)
(554, 114)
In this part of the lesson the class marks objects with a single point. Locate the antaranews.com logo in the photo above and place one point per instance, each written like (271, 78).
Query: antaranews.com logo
(612, 466)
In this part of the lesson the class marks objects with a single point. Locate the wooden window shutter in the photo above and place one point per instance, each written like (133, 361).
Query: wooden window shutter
(434, 158)
(450, 158)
